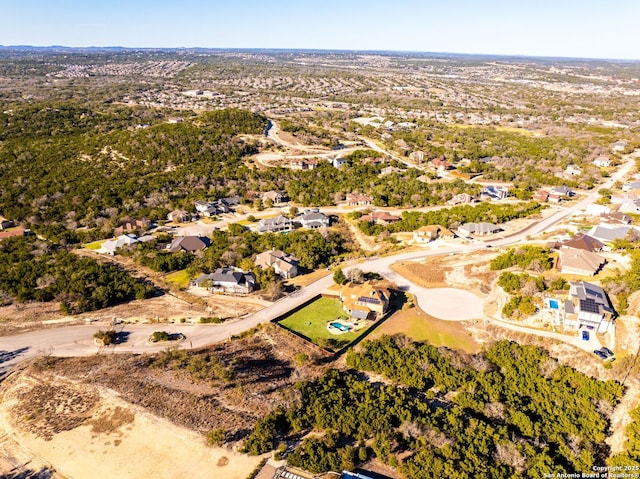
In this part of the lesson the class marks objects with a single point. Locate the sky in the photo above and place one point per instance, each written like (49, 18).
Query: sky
(565, 28)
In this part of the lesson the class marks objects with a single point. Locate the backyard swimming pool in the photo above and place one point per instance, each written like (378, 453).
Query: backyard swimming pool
(340, 327)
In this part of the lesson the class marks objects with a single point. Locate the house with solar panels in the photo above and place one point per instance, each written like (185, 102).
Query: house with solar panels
(588, 308)
(364, 301)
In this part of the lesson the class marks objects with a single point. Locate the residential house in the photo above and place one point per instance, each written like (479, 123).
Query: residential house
(617, 217)
(426, 234)
(110, 246)
(462, 199)
(190, 244)
(563, 191)
(632, 185)
(609, 233)
(495, 192)
(588, 308)
(302, 164)
(179, 216)
(541, 196)
(486, 159)
(602, 161)
(227, 280)
(583, 242)
(313, 219)
(5, 223)
(364, 301)
(276, 197)
(579, 261)
(211, 208)
(573, 170)
(380, 218)
(440, 164)
(630, 205)
(275, 225)
(230, 201)
(129, 226)
(338, 162)
(356, 199)
(285, 265)
(479, 229)
(619, 146)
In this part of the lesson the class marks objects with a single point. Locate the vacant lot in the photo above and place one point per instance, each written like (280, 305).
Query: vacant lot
(419, 326)
(178, 278)
(430, 274)
(51, 417)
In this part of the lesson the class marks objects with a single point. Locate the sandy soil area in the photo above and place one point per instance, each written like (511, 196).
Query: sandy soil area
(166, 308)
(83, 432)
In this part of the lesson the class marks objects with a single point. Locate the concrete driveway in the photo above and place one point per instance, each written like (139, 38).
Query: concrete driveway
(451, 304)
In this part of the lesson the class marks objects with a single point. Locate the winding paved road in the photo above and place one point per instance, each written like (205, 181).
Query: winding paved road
(445, 303)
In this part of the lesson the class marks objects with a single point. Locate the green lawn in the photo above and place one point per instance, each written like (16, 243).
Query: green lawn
(95, 245)
(311, 322)
(421, 327)
(179, 278)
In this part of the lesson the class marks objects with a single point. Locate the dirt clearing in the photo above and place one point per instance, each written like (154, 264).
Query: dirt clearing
(52, 416)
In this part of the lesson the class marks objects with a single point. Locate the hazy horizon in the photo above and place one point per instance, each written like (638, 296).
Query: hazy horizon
(565, 29)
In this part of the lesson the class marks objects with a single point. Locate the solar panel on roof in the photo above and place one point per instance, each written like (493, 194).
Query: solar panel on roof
(589, 305)
(591, 292)
(366, 299)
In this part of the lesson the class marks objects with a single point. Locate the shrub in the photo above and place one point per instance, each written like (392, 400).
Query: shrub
(158, 336)
(211, 319)
(106, 337)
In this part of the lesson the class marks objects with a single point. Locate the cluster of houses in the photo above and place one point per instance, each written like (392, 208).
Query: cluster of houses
(430, 233)
(311, 219)
(230, 280)
(579, 255)
(555, 194)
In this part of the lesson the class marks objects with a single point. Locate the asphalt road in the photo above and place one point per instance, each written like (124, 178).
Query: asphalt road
(445, 303)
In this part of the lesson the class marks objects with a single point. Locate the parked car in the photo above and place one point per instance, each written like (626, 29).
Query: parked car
(585, 335)
(607, 351)
(600, 354)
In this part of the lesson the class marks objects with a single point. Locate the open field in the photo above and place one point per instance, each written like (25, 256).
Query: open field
(419, 326)
(178, 278)
(307, 279)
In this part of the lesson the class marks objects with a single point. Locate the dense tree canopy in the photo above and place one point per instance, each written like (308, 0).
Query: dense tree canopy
(512, 411)
(35, 270)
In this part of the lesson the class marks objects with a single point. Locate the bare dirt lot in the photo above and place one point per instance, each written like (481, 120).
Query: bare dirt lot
(51, 416)
(166, 308)
(119, 406)
(470, 272)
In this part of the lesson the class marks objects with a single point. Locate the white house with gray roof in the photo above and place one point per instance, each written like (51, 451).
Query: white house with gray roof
(610, 233)
(275, 225)
(479, 229)
(227, 280)
(314, 219)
